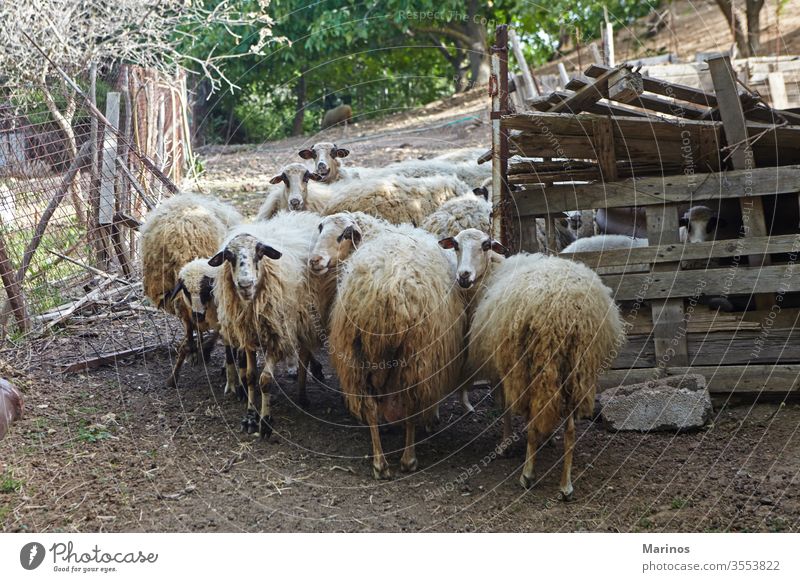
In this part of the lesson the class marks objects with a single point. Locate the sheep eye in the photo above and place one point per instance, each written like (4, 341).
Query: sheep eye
(486, 245)
(320, 227)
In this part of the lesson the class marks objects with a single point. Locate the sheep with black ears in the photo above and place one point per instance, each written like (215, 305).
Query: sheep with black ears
(544, 327)
(397, 332)
(182, 228)
(467, 211)
(325, 158)
(265, 302)
(290, 191)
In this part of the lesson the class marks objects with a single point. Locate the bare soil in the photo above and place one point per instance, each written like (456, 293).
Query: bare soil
(114, 450)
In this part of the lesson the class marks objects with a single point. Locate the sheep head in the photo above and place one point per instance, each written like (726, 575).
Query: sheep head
(243, 254)
(195, 288)
(339, 235)
(295, 179)
(473, 250)
(326, 158)
(699, 224)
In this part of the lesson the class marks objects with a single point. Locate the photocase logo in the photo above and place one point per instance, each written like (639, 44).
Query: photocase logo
(32, 555)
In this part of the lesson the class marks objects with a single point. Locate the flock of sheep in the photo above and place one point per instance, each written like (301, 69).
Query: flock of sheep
(394, 274)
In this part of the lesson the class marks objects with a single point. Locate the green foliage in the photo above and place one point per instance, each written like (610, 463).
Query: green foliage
(10, 485)
(92, 433)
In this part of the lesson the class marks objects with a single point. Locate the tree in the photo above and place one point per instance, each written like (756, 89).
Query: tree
(748, 42)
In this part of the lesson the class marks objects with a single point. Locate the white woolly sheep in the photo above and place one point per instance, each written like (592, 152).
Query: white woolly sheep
(397, 199)
(470, 172)
(467, 211)
(265, 303)
(462, 155)
(182, 228)
(544, 327)
(325, 158)
(397, 328)
(290, 191)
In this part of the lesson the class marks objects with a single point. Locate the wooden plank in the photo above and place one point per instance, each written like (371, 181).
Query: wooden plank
(625, 86)
(670, 253)
(108, 172)
(773, 379)
(590, 94)
(668, 317)
(777, 90)
(741, 156)
(722, 281)
(671, 90)
(530, 88)
(602, 107)
(535, 201)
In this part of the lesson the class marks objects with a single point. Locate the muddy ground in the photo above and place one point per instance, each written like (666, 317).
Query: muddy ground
(114, 450)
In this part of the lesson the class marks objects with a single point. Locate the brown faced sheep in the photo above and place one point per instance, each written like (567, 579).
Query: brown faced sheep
(544, 327)
(325, 157)
(337, 115)
(290, 191)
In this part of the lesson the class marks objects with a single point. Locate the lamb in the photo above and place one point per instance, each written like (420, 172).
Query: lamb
(467, 211)
(396, 199)
(337, 115)
(396, 335)
(265, 302)
(291, 192)
(326, 164)
(182, 228)
(10, 406)
(544, 327)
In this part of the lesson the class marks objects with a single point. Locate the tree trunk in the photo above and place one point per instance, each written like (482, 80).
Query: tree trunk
(300, 110)
(754, 26)
(479, 66)
(736, 27)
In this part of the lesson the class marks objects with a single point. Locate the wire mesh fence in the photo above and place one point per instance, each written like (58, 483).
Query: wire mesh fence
(78, 171)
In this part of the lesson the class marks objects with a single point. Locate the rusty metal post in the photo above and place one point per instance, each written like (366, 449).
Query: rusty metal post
(498, 90)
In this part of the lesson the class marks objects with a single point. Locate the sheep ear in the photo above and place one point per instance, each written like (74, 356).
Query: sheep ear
(481, 191)
(313, 176)
(350, 233)
(306, 154)
(263, 250)
(683, 221)
(278, 179)
(448, 243)
(340, 153)
(220, 257)
(712, 225)
(499, 249)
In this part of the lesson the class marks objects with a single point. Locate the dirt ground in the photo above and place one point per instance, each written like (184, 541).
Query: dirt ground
(114, 450)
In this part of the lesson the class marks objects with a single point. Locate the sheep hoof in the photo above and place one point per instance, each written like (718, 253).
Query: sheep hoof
(250, 422)
(316, 371)
(381, 473)
(408, 467)
(172, 382)
(566, 496)
(241, 393)
(265, 427)
(526, 482)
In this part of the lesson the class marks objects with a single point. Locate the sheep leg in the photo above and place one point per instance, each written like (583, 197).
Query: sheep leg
(209, 345)
(566, 489)
(505, 442)
(526, 479)
(232, 385)
(197, 347)
(316, 370)
(183, 350)
(302, 377)
(265, 418)
(468, 409)
(380, 468)
(250, 420)
(408, 462)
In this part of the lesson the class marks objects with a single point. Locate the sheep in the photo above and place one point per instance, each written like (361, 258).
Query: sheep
(700, 224)
(396, 335)
(325, 156)
(462, 155)
(467, 211)
(544, 327)
(264, 301)
(182, 228)
(337, 115)
(604, 242)
(10, 406)
(470, 172)
(397, 199)
(291, 192)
